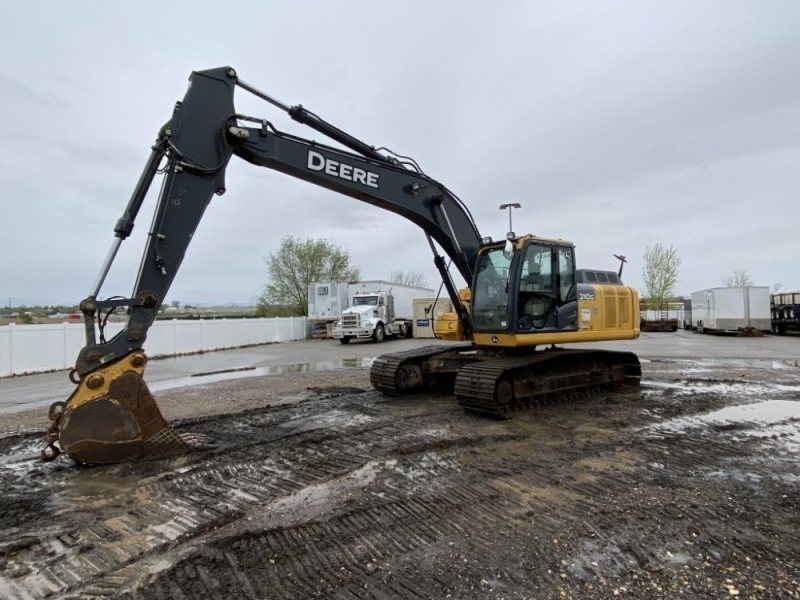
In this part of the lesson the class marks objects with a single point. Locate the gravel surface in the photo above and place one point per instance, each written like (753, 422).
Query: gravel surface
(319, 486)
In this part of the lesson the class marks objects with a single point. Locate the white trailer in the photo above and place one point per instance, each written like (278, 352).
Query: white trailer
(326, 301)
(377, 309)
(731, 309)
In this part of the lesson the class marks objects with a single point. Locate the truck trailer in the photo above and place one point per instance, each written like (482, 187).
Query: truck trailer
(785, 312)
(731, 309)
(326, 301)
(663, 316)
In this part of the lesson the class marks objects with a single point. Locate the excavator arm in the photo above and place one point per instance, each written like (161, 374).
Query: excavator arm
(111, 416)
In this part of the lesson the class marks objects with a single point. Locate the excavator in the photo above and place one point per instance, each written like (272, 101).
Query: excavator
(525, 293)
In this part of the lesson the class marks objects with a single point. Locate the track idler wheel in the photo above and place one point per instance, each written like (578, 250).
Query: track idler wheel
(112, 417)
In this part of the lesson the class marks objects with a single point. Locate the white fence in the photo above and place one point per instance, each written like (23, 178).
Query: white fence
(36, 348)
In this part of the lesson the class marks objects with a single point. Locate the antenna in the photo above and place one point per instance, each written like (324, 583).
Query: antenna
(622, 262)
(510, 234)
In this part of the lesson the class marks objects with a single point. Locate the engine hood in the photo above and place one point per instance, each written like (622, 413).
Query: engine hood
(364, 311)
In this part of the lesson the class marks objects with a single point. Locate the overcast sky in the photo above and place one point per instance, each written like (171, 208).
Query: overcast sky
(616, 125)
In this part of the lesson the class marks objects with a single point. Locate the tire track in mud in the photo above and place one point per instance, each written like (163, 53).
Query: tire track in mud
(342, 557)
(201, 493)
(354, 496)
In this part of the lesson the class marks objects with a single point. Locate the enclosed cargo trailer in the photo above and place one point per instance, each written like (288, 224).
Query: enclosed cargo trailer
(731, 309)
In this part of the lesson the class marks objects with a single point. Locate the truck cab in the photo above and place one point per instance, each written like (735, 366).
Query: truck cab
(371, 315)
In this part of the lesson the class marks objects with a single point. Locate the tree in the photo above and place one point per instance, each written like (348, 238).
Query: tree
(739, 278)
(295, 265)
(660, 273)
(410, 278)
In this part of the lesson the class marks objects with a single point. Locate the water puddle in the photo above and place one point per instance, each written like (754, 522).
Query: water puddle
(23, 456)
(705, 365)
(774, 424)
(244, 372)
(765, 412)
(738, 389)
(749, 363)
(774, 421)
(316, 494)
(768, 411)
(91, 484)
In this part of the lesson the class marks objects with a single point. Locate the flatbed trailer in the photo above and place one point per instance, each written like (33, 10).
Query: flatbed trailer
(785, 312)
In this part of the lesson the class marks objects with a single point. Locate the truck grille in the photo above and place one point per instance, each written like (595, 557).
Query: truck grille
(349, 321)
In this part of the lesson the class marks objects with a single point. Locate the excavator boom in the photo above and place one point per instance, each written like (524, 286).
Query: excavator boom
(111, 415)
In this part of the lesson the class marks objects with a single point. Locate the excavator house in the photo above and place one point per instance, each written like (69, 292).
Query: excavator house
(525, 297)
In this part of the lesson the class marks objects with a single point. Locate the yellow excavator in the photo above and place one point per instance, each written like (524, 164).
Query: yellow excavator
(525, 293)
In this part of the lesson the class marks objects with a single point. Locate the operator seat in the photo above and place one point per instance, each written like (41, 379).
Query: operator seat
(540, 302)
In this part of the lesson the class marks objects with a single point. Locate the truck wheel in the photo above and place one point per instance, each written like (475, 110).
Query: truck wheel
(379, 333)
(344, 340)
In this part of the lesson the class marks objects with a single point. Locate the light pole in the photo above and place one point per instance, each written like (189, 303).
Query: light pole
(509, 207)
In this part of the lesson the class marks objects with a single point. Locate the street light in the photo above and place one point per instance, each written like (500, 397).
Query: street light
(510, 234)
(508, 250)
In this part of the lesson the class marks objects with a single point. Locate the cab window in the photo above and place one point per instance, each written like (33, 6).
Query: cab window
(538, 296)
(490, 300)
(566, 273)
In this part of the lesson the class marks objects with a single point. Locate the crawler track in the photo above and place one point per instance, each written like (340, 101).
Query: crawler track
(400, 373)
(496, 386)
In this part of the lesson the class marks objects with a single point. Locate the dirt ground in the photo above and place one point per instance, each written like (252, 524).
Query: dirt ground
(320, 487)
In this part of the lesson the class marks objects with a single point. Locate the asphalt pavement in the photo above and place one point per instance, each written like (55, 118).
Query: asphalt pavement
(32, 391)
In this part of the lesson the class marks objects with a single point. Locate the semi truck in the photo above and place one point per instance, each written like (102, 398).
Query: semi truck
(378, 309)
(731, 309)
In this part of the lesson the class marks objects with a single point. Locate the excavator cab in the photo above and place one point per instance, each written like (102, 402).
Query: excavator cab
(530, 291)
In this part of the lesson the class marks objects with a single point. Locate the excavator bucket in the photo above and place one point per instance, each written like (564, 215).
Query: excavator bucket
(112, 417)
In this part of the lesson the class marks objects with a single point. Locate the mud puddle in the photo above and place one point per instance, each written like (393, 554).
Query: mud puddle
(234, 373)
(737, 389)
(716, 365)
(774, 422)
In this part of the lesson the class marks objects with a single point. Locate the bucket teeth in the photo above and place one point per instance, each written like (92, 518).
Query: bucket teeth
(117, 424)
